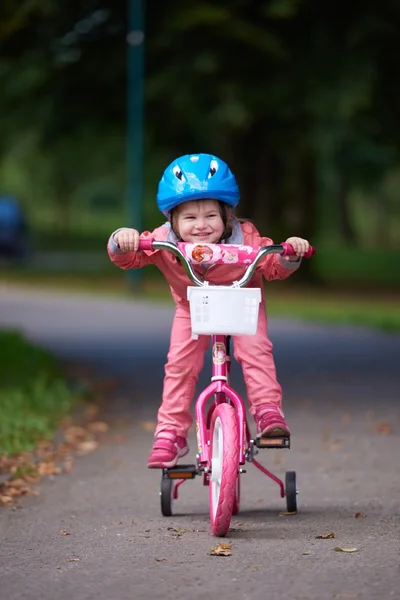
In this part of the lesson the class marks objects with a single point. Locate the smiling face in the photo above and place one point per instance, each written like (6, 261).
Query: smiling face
(199, 221)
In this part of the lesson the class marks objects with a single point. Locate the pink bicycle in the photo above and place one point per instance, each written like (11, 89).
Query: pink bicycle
(223, 435)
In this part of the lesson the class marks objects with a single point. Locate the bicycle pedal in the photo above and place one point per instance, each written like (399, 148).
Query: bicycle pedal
(272, 442)
(181, 472)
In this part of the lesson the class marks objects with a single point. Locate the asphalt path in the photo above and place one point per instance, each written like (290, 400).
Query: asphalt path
(341, 399)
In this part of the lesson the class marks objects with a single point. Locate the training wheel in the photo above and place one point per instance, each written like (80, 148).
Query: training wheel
(291, 491)
(167, 491)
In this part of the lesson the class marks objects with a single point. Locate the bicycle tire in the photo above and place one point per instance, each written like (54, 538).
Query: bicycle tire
(166, 496)
(224, 468)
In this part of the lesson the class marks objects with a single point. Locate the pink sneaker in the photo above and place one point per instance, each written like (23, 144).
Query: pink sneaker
(167, 450)
(270, 422)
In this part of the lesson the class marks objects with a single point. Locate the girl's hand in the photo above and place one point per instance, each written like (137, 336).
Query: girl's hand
(127, 239)
(300, 246)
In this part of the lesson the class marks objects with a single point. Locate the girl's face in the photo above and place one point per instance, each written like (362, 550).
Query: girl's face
(200, 221)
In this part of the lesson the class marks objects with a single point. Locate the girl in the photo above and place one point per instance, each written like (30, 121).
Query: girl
(198, 194)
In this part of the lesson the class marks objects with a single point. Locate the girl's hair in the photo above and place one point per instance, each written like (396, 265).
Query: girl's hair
(225, 210)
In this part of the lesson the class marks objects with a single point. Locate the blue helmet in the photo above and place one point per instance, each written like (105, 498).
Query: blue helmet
(196, 177)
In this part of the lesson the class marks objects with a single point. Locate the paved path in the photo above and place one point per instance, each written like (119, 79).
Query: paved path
(342, 402)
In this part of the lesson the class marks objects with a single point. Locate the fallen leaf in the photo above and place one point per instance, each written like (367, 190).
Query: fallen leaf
(285, 513)
(178, 530)
(149, 426)
(48, 468)
(73, 559)
(64, 532)
(87, 446)
(306, 553)
(5, 499)
(98, 427)
(325, 536)
(359, 515)
(161, 559)
(337, 549)
(383, 428)
(75, 434)
(221, 550)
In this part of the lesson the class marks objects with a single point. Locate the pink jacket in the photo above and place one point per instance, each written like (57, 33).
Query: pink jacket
(271, 267)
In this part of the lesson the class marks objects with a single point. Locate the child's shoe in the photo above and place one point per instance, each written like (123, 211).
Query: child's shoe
(167, 450)
(270, 422)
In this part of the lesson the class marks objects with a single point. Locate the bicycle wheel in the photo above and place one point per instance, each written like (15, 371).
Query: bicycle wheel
(291, 491)
(236, 504)
(224, 467)
(166, 494)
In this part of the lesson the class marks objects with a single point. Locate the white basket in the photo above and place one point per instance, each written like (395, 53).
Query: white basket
(224, 310)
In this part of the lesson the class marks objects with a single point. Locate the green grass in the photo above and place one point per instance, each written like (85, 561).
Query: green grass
(34, 396)
(374, 311)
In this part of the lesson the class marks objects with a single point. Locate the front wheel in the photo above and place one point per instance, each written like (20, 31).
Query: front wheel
(224, 467)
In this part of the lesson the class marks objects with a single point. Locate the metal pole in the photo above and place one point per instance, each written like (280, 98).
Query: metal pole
(135, 121)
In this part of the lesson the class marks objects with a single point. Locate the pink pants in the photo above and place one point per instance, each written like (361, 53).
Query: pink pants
(186, 359)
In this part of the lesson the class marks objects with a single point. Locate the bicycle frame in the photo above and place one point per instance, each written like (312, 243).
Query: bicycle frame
(220, 388)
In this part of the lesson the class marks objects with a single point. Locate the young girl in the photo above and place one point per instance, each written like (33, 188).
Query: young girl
(198, 194)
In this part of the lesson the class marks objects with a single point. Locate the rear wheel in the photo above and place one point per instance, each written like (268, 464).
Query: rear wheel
(224, 468)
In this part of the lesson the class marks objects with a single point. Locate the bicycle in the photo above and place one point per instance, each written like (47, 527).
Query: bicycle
(224, 443)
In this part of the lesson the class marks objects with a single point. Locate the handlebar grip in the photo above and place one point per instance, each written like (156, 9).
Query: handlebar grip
(145, 244)
(289, 250)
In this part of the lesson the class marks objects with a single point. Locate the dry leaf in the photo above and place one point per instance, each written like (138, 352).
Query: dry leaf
(337, 549)
(98, 427)
(87, 446)
(149, 426)
(75, 434)
(383, 428)
(222, 550)
(287, 514)
(73, 559)
(306, 553)
(5, 499)
(178, 530)
(325, 536)
(161, 559)
(48, 468)
(359, 515)
(64, 532)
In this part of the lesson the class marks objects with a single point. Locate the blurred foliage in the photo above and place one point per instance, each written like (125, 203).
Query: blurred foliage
(298, 96)
(33, 394)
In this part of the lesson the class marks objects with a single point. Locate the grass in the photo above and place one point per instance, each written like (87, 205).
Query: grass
(34, 396)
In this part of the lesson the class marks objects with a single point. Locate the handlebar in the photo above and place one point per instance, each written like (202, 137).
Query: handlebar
(198, 253)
